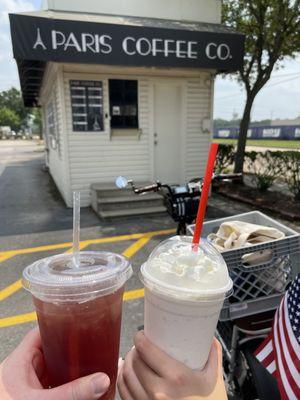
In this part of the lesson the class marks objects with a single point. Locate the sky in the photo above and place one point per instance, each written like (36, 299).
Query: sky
(280, 98)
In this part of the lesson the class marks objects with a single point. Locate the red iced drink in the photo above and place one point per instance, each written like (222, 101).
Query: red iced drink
(80, 316)
(81, 339)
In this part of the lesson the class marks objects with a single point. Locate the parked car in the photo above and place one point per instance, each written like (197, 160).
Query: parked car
(5, 132)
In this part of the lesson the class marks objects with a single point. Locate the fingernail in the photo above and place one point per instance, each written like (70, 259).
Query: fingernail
(100, 384)
(36, 362)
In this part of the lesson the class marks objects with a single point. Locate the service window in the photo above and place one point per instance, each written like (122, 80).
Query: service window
(123, 99)
(87, 106)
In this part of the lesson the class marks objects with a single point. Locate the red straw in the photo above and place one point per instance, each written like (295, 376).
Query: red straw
(205, 192)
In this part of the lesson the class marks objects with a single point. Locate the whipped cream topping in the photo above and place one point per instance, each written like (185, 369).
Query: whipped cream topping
(174, 264)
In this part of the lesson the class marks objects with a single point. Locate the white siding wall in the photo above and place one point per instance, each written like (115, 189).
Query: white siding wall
(56, 156)
(198, 108)
(190, 10)
(95, 157)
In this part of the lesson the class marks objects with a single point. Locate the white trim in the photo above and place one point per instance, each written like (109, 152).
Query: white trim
(212, 94)
(143, 72)
(60, 81)
(151, 131)
(184, 130)
(48, 82)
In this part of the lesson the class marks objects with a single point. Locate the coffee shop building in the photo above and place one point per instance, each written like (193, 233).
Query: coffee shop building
(125, 88)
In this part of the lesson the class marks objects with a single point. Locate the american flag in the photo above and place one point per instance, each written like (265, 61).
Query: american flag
(280, 352)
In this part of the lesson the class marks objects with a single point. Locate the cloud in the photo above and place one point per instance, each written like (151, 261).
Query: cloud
(12, 6)
(280, 98)
(8, 69)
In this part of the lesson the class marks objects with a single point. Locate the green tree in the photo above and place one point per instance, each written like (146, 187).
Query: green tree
(38, 124)
(12, 99)
(272, 29)
(9, 118)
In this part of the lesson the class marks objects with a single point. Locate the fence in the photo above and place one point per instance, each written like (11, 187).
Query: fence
(287, 132)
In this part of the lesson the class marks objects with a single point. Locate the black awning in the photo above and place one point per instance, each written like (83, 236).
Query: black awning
(31, 74)
(125, 41)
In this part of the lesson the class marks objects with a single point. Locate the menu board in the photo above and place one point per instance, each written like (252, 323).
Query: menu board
(87, 105)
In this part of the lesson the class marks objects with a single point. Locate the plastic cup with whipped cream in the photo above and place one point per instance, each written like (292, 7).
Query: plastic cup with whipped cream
(184, 293)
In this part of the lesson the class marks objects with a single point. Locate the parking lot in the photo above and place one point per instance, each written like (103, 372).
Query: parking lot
(34, 223)
(16, 309)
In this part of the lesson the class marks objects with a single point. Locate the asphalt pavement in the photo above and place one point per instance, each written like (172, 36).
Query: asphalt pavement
(34, 223)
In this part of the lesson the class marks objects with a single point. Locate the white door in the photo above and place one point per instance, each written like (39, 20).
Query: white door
(167, 133)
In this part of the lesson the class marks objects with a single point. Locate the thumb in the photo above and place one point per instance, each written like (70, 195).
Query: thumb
(91, 387)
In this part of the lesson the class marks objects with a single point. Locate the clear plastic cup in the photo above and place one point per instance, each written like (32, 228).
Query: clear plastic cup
(184, 294)
(79, 313)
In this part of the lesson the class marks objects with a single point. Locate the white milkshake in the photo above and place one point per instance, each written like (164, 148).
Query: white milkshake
(184, 294)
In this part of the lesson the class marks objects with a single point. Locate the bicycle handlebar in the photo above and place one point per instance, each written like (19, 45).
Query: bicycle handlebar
(146, 189)
(155, 187)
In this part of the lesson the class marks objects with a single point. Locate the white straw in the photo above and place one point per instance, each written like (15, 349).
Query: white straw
(76, 228)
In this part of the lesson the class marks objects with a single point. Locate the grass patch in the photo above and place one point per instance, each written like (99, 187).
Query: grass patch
(287, 144)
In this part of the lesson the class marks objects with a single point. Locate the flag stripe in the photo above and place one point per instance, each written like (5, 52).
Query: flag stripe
(272, 367)
(284, 386)
(264, 349)
(291, 335)
(291, 358)
(268, 361)
(289, 367)
(283, 394)
(280, 352)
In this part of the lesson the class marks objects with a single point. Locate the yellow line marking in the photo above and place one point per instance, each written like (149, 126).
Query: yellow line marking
(5, 257)
(136, 246)
(130, 295)
(133, 295)
(129, 252)
(11, 253)
(81, 247)
(17, 319)
(14, 287)
(30, 317)
(11, 289)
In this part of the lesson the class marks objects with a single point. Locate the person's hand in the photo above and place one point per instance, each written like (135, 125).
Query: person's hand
(22, 375)
(149, 373)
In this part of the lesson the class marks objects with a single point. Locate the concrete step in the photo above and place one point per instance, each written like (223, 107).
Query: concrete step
(130, 202)
(131, 212)
(130, 205)
(109, 189)
(108, 201)
(134, 199)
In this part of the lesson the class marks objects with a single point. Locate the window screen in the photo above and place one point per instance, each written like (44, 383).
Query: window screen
(51, 128)
(87, 106)
(123, 98)
(50, 120)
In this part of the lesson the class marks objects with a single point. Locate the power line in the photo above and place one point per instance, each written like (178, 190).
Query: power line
(265, 87)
